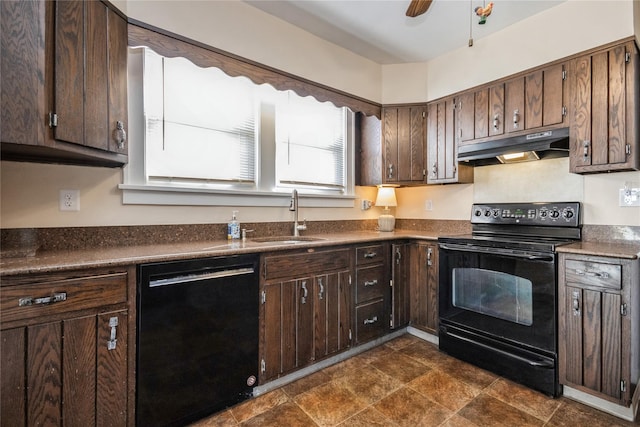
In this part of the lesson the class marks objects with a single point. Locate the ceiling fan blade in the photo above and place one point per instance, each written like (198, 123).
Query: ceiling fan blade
(418, 7)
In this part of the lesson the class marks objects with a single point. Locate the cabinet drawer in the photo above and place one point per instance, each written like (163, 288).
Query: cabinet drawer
(370, 321)
(370, 283)
(369, 254)
(29, 300)
(294, 265)
(596, 274)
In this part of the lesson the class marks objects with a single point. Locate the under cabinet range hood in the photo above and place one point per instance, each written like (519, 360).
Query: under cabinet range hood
(534, 146)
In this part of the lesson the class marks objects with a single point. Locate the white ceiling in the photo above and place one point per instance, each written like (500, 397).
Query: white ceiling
(380, 31)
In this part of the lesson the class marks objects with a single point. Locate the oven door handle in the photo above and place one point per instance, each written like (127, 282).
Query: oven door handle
(537, 363)
(497, 251)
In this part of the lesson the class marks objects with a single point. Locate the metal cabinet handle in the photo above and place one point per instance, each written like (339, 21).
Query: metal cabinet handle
(113, 324)
(119, 135)
(321, 293)
(56, 297)
(374, 319)
(575, 303)
(585, 150)
(371, 282)
(371, 255)
(429, 255)
(434, 170)
(495, 122)
(398, 256)
(390, 171)
(516, 118)
(602, 275)
(303, 299)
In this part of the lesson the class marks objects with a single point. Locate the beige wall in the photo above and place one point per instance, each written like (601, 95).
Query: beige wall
(29, 192)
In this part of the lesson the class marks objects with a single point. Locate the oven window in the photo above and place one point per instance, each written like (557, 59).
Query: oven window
(493, 293)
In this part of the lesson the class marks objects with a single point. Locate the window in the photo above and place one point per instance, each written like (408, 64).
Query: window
(310, 143)
(208, 133)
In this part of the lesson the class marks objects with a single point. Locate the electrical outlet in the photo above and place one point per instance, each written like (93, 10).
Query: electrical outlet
(629, 197)
(69, 200)
(365, 204)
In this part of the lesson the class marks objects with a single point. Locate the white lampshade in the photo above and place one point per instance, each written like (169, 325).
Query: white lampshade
(386, 197)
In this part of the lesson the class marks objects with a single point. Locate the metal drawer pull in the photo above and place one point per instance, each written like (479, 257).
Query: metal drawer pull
(371, 282)
(56, 297)
(429, 255)
(113, 323)
(374, 319)
(370, 255)
(603, 275)
(321, 293)
(303, 299)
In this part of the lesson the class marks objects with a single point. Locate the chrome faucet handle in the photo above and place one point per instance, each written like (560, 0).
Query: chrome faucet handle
(303, 226)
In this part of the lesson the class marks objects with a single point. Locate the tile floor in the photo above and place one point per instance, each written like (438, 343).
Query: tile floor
(407, 382)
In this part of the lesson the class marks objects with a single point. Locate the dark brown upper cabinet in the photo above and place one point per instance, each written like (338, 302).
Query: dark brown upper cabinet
(605, 95)
(67, 61)
(404, 132)
(442, 154)
(532, 101)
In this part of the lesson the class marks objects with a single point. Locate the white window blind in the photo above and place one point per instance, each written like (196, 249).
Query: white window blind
(200, 123)
(311, 146)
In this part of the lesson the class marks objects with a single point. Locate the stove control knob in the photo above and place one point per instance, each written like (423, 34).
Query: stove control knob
(477, 212)
(496, 213)
(487, 213)
(568, 213)
(543, 213)
(554, 214)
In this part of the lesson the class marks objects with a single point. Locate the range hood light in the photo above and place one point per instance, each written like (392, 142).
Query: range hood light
(525, 156)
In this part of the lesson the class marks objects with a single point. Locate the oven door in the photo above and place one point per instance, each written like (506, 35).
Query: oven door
(503, 294)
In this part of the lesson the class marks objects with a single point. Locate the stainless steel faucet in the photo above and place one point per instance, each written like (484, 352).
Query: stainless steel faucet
(293, 206)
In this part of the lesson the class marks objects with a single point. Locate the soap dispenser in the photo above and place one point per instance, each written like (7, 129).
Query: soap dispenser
(233, 227)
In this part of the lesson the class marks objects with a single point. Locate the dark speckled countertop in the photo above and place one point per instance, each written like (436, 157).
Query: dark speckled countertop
(58, 260)
(629, 250)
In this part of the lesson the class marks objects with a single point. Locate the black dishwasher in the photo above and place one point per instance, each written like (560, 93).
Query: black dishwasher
(197, 338)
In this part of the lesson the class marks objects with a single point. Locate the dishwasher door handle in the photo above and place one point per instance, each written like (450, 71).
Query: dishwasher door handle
(186, 278)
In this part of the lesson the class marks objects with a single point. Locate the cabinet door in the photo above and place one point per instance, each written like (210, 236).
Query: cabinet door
(514, 105)
(304, 321)
(481, 115)
(442, 163)
(22, 43)
(404, 130)
(593, 340)
(400, 286)
(496, 109)
(466, 116)
(424, 286)
(332, 318)
(605, 95)
(83, 382)
(90, 74)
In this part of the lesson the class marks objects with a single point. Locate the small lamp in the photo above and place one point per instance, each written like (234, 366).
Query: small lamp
(386, 197)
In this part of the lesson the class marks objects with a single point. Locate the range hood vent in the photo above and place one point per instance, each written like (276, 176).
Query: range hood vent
(542, 145)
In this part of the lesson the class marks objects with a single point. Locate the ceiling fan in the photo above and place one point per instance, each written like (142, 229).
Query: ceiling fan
(418, 7)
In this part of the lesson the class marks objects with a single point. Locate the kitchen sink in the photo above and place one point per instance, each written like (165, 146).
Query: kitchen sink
(287, 239)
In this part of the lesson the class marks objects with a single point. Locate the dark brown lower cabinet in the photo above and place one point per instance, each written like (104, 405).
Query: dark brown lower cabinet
(598, 298)
(304, 318)
(423, 286)
(65, 362)
(400, 285)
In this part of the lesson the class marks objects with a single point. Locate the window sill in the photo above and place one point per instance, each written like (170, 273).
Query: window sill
(164, 195)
